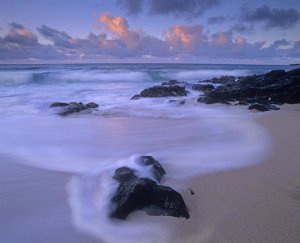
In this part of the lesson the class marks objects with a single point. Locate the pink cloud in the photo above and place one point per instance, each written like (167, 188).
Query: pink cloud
(240, 40)
(184, 36)
(119, 26)
(221, 38)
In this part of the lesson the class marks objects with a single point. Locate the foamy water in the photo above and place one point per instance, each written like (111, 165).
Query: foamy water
(189, 140)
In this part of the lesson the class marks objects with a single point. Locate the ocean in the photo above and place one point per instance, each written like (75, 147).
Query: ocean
(189, 140)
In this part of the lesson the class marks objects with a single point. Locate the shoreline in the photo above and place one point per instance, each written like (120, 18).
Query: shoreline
(253, 204)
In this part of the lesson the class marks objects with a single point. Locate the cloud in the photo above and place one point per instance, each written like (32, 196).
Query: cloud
(19, 35)
(216, 20)
(185, 37)
(221, 38)
(119, 26)
(20, 43)
(120, 42)
(138, 41)
(242, 28)
(271, 18)
(133, 7)
(59, 38)
(178, 8)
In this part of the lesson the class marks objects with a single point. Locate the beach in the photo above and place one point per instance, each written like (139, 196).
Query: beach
(259, 203)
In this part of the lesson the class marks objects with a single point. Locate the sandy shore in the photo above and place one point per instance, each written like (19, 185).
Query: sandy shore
(260, 203)
(256, 204)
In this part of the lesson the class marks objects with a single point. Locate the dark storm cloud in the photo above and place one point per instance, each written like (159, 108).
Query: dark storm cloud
(132, 6)
(178, 8)
(216, 20)
(271, 17)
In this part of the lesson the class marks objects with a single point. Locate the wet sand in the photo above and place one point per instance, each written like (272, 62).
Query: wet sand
(256, 204)
(34, 207)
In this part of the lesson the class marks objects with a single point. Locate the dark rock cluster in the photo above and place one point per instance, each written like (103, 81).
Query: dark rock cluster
(203, 87)
(139, 193)
(162, 91)
(72, 107)
(260, 92)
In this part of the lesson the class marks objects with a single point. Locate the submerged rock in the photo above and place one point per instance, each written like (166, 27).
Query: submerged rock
(162, 91)
(73, 107)
(136, 193)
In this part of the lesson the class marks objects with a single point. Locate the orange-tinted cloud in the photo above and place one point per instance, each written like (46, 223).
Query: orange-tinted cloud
(240, 40)
(185, 36)
(119, 26)
(221, 38)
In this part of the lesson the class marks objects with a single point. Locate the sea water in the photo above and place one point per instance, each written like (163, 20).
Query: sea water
(189, 140)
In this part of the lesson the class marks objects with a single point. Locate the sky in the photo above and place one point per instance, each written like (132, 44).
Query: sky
(166, 31)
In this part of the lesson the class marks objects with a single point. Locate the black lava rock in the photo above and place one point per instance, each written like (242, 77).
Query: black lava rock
(259, 107)
(92, 105)
(203, 87)
(59, 104)
(262, 107)
(171, 82)
(162, 91)
(275, 87)
(73, 107)
(157, 169)
(134, 193)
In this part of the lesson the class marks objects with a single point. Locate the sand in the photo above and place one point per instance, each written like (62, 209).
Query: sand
(260, 203)
(256, 204)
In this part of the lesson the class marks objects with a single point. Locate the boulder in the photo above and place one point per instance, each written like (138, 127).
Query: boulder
(134, 193)
(92, 105)
(203, 87)
(162, 91)
(259, 107)
(59, 104)
(262, 107)
(72, 107)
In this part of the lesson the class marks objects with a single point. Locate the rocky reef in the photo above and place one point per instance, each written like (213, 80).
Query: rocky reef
(261, 92)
